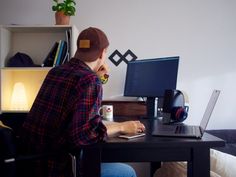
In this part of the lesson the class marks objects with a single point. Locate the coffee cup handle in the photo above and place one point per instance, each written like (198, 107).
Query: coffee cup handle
(99, 111)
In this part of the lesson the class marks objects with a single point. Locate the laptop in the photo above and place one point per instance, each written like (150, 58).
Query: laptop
(181, 130)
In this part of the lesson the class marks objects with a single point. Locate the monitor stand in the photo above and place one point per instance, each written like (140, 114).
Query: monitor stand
(154, 108)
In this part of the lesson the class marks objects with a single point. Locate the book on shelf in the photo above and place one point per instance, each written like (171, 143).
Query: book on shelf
(60, 52)
(68, 40)
(59, 57)
(64, 54)
(66, 49)
(49, 60)
(57, 53)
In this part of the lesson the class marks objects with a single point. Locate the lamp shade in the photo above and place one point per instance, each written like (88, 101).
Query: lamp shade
(18, 98)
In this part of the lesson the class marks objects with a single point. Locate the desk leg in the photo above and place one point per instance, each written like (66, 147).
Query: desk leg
(200, 164)
(91, 162)
(153, 167)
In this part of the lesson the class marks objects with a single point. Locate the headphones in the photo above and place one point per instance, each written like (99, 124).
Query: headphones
(179, 114)
(175, 107)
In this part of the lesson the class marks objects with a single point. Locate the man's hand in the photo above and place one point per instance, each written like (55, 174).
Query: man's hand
(127, 127)
(132, 127)
(104, 69)
(102, 73)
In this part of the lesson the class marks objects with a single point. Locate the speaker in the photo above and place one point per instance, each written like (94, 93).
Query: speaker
(174, 107)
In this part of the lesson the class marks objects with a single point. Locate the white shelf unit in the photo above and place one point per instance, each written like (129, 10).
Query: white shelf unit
(35, 41)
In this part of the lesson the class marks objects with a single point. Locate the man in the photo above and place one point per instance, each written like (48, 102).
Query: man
(64, 115)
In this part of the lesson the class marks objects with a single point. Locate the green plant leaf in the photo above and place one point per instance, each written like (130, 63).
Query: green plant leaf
(70, 4)
(67, 6)
(54, 8)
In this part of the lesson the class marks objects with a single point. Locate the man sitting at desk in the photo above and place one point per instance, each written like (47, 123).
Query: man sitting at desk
(64, 115)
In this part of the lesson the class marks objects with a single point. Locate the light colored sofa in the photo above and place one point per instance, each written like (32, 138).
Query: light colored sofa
(223, 159)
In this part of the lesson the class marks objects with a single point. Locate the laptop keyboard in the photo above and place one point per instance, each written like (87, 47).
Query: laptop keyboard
(180, 129)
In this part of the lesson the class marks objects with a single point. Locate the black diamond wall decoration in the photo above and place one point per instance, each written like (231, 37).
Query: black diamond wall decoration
(126, 57)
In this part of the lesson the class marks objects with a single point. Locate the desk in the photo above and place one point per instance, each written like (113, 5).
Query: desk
(155, 149)
(146, 149)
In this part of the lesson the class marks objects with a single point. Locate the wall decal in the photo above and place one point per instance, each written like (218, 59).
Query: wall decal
(126, 57)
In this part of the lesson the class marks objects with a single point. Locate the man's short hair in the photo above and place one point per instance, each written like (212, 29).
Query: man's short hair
(90, 44)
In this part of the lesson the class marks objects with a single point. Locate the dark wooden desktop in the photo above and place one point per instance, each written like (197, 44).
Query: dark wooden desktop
(153, 149)
(145, 149)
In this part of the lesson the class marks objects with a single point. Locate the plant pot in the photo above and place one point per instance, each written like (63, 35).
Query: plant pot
(62, 19)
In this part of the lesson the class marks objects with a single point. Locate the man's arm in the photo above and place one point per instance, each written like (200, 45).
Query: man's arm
(86, 127)
(115, 128)
(127, 127)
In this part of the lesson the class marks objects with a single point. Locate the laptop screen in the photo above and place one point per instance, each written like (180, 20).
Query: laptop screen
(209, 109)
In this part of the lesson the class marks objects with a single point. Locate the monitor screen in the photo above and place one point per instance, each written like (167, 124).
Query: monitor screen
(150, 78)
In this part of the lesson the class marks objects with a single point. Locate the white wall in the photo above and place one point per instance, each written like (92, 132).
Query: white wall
(202, 33)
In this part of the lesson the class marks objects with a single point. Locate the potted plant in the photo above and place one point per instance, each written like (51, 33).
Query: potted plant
(63, 11)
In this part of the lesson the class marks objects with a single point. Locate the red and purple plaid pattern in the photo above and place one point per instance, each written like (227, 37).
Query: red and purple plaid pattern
(64, 115)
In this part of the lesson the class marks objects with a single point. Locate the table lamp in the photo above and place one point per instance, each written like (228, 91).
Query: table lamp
(18, 98)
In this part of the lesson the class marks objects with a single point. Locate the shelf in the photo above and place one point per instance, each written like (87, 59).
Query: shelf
(13, 111)
(38, 29)
(35, 41)
(26, 68)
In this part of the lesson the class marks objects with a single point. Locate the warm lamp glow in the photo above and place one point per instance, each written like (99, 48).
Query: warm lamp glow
(18, 98)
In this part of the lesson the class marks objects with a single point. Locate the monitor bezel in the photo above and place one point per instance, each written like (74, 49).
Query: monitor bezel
(176, 58)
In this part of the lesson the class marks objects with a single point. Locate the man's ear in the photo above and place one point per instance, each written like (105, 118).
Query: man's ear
(102, 53)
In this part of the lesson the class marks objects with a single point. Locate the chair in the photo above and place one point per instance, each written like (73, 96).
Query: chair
(12, 163)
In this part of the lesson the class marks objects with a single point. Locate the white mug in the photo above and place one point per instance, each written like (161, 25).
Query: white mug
(107, 112)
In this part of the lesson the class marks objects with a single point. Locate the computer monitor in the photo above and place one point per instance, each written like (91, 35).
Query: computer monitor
(150, 78)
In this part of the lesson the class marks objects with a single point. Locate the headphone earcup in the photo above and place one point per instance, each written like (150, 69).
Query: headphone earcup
(178, 114)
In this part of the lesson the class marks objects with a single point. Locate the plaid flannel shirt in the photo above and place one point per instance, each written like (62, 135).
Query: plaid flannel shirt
(64, 115)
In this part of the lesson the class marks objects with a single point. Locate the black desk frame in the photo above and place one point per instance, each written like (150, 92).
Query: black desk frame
(145, 149)
(155, 150)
